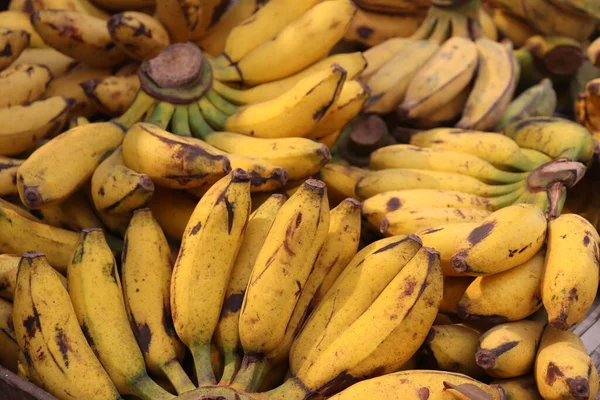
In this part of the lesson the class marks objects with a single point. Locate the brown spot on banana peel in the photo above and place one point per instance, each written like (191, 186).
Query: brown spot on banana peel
(232, 304)
(6, 51)
(393, 204)
(364, 32)
(486, 358)
(423, 393)
(167, 321)
(552, 373)
(113, 273)
(63, 344)
(579, 388)
(196, 229)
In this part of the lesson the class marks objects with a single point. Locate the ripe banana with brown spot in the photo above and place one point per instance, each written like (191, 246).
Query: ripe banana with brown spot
(8, 175)
(20, 20)
(58, 63)
(112, 95)
(138, 35)
(25, 83)
(522, 388)
(12, 44)
(78, 35)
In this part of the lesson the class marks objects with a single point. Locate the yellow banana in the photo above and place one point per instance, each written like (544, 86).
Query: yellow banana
(571, 270)
(12, 44)
(82, 6)
(24, 83)
(402, 179)
(146, 273)
(138, 35)
(8, 175)
(341, 181)
(563, 369)
(171, 161)
(494, 148)
(19, 234)
(208, 250)
(442, 77)
(9, 265)
(497, 78)
(112, 95)
(46, 323)
(394, 6)
(172, 209)
(19, 20)
(9, 349)
(508, 350)
(513, 27)
(389, 83)
(352, 63)
(182, 19)
(454, 289)
(488, 27)
(58, 63)
(523, 388)
(41, 179)
(331, 140)
(227, 333)
(78, 35)
(23, 127)
(507, 296)
(507, 238)
(295, 47)
(74, 214)
(95, 290)
(380, 54)
(451, 348)
(123, 5)
(117, 189)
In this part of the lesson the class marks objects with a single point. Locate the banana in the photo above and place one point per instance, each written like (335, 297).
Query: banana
(406, 220)
(451, 348)
(123, 5)
(78, 35)
(172, 209)
(446, 115)
(454, 289)
(563, 368)
(227, 333)
(146, 273)
(394, 6)
(183, 20)
(112, 95)
(508, 350)
(208, 250)
(512, 27)
(390, 82)
(45, 323)
(523, 388)
(579, 6)
(569, 293)
(352, 63)
(74, 214)
(436, 159)
(138, 35)
(58, 63)
(81, 6)
(170, 160)
(379, 55)
(497, 78)
(494, 148)
(402, 179)
(507, 238)
(117, 189)
(341, 180)
(213, 41)
(25, 83)
(8, 175)
(41, 180)
(419, 384)
(593, 52)
(19, 20)
(12, 44)
(488, 26)
(9, 348)
(369, 28)
(95, 290)
(537, 101)
(9, 265)
(295, 47)
(442, 77)
(443, 27)
(507, 296)
(18, 234)
(541, 133)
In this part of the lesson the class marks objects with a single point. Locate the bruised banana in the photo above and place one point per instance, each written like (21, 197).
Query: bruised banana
(172, 209)
(8, 175)
(25, 83)
(58, 63)
(23, 127)
(208, 250)
(112, 95)
(78, 35)
(12, 44)
(537, 101)
(45, 322)
(41, 180)
(138, 35)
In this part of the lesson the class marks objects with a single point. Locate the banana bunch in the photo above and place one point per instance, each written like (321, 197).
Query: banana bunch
(587, 108)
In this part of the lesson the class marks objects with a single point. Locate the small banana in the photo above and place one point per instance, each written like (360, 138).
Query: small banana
(512, 27)
(341, 181)
(138, 35)
(23, 127)
(74, 214)
(78, 35)
(571, 270)
(172, 209)
(208, 250)
(537, 101)
(522, 388)
(19, 20)
(112, 95)
(563, 369)
(12, 44)
(58, 63)
(146, 273)
(9, 349)
(42, 180)
(454, 289)
(8, 175)
(394, 6)
(171, 161)
(442, 77)
(507, 296)
(508, 350)
(45, 323)
(380, 54)
(25, 83)
(446, 115)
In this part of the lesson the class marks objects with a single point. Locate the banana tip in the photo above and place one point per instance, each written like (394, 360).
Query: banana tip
(32, 197)
(459, 263)
(239, 175)
(385, 224)
(146, 183)
(32, 254)
(485, 359)
(579, 388)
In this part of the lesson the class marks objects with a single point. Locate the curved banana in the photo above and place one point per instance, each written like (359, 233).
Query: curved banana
(442, 77)
(8, 175)
(227, 333)
(208, 250)
(138, 35)
(507, 296)
(74, 213)
(25, 83)
(571, 270)
(58, 63)
(9, 266)
(380, 54)
(341, 180)
(563, 369)
(19, 20)
(46, 323)
(497, 78)
(512, 27)
(9, 349)
(146, 272)
(394, 6)
(123, 5)
(171, 161)
(404, 221)
(508, 350)
(12, 44)
(172, 209)
(78, 35)
(112, 95)
(23, 127)
(537, 101)
(454, 289)
(41, 179)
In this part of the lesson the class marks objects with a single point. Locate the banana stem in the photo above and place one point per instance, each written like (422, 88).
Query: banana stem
(231, 361)
(180, 123)
(203, 364)
(177, 376)
(146, 389)
(213, 116)
(292, 389)
(250, 374)
(220, 103)
(136, 111)
(162, 114)
(557, 195)
(200, 128)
